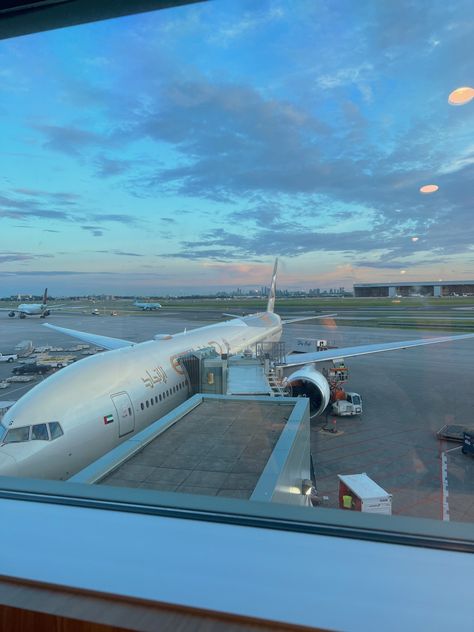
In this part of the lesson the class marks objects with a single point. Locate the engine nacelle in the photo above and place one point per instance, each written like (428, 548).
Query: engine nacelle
(308, 382)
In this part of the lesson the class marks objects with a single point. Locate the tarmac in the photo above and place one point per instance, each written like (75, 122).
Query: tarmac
(407, 396)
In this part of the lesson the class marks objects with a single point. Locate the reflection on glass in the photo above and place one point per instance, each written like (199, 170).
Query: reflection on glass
(461, 96)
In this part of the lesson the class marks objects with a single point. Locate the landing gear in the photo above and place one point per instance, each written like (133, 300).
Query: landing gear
(22, 315)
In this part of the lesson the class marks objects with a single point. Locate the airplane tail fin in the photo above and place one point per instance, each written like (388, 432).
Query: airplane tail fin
(45, 296)
(272, 293)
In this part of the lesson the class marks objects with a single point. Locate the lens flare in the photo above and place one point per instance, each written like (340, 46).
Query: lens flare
(429, 188)
(461, 96)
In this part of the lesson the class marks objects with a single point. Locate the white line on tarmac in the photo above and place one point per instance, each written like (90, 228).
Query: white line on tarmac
(444, 480)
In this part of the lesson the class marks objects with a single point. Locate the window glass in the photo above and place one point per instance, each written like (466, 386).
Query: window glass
(16, 435)
(40, 432)
(149, 160)
(55, 429)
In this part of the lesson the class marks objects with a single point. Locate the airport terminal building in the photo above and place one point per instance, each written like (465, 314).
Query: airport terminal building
(412, 288)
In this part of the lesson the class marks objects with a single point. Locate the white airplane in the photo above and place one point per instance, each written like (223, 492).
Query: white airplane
(78, 414)
(32, 309)
(147, 306)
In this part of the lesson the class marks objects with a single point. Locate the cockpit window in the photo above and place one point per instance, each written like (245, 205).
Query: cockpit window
(40, 432)
(55, 429)
(3, 431)
(17, 435)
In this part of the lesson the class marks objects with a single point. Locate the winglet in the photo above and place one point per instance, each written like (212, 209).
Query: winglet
(272, 293)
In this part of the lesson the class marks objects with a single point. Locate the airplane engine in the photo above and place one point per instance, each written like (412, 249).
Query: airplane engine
(45, 313)
(308, 382)
(11, 314)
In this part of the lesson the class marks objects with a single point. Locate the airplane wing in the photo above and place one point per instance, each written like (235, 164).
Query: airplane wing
(94, 339)
(297, 320)
(346, 352)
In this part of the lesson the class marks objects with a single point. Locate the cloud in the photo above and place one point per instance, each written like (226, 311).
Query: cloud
(8, 257)
(120, 253)
(247, 24)
(70, 140)
(108, 167)
(120, 218)
(95, 231)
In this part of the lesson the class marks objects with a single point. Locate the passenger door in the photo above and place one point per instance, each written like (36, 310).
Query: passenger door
(125, 413)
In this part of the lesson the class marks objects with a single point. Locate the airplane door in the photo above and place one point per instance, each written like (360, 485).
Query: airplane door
(125, 413)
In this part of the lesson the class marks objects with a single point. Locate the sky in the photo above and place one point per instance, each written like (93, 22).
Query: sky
(184, 149)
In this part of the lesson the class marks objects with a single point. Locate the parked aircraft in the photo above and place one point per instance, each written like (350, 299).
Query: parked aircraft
(32, 309)
(147, 306)
(86, 409)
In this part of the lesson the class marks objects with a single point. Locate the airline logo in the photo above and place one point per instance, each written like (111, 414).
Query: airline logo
(108, 419)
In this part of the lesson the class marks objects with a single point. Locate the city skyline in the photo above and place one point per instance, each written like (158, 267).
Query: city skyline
(186, 148)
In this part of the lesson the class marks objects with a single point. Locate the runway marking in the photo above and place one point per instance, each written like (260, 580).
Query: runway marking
(444, 482)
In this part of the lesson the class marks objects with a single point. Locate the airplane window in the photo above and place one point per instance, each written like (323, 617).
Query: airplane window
(142, 406)
(40, 432)
(3, 431)
(129, 411)
(17, 435)
(55, 429)
(159, 397)
(147, 403)
(156, 399)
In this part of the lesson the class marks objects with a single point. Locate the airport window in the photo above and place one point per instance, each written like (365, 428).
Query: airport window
(40, 432)
(55, 429)
(17, 435)
(320, 135)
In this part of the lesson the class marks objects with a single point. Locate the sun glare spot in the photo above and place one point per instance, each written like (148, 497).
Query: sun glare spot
(414, 239)
(429, 188)
(461, 96)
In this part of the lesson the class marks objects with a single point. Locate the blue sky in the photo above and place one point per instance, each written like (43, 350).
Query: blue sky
(187, 148)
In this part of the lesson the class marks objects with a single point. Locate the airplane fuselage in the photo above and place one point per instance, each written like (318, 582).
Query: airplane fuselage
(147, 306)
(31, 309)
(102, 400)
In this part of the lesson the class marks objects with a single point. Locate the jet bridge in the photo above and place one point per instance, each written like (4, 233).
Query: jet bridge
(209, 373)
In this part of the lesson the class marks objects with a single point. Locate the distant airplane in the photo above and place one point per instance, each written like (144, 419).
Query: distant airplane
(147, 306)
(83, 411)
(32, 309)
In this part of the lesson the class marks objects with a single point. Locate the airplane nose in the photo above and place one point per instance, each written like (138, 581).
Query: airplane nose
(8, 465)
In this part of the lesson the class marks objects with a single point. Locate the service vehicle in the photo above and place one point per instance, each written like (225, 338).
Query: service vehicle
(31, 368)
(349, 406)
(8, 357)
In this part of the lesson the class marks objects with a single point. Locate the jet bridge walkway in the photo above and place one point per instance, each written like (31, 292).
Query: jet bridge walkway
(208, 372)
